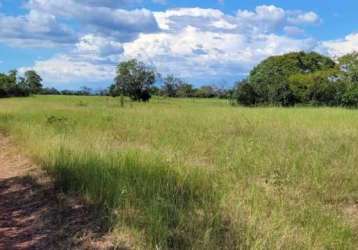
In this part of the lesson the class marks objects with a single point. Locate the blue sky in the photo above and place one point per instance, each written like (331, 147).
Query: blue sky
(73, 43)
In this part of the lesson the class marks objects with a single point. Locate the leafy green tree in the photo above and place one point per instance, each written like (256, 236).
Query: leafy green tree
(349, 68)
(348, 76)
(350, 97)
(321, 87)
(270, 78)
(185, 90)
(244, 93)
(206, 91)
(12, 85)
(114, 90)
(135, 79)
(154, 90)
(33, 81)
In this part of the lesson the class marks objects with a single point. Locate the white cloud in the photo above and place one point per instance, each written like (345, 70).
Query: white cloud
(298, 17)
(293, 31)
(203, 43)
(193, 43)
(101, 17)
(97, 46)
(34, 29)
(66, 70)
(341, 46)
(198, 54)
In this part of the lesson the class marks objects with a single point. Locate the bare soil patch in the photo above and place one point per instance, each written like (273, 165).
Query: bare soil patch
(34, 215)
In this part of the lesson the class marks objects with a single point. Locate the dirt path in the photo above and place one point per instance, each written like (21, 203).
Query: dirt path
(33, 215)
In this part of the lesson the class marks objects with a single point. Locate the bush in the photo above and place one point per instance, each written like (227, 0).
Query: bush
(350, 97)
(245, 94)
(282, 94)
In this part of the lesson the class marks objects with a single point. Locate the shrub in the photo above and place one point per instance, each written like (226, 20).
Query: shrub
(245, 94)
(350, 97)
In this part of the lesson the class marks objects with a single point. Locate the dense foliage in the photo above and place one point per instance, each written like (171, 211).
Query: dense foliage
(301, 78)
(135, 79)
(12, 85)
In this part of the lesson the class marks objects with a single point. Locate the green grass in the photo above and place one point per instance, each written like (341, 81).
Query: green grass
(200, 174)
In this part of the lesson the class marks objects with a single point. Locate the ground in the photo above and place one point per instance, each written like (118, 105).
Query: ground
(179, 173)
(34, 215)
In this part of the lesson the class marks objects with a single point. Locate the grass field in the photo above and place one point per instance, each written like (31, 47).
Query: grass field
(200, 174)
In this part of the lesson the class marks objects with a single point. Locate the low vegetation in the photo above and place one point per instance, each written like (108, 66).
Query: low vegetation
(199, 173)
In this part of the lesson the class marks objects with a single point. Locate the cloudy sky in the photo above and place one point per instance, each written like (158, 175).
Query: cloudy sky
(73, 43)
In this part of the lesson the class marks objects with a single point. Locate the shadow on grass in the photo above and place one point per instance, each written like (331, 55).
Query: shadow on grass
(172, 208)
(34, 215)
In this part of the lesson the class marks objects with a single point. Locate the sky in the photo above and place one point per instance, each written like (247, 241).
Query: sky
(74, 43)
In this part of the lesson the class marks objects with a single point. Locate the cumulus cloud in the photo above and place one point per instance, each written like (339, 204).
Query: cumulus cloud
(53, 22)
(299, 17)
(215, 43)
(193, 53)
(97, 46)
(34, 29)
(100, 17)
(68, 71)
(194, 43)
(341, 46)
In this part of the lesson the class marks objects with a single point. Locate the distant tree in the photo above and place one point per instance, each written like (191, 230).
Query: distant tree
(170, 86)
(85, 91)
(114, 90)
(67, 92)
(50, 91)
(185, 90)
(34, 81)
(206, 91)
(154, 90)
(12, 85)
(135, 79)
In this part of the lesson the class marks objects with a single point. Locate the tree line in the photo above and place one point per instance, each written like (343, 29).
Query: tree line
(296, 78)
(137, 80)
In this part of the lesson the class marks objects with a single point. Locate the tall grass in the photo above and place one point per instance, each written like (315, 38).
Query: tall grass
(200, 174)
(143, 193)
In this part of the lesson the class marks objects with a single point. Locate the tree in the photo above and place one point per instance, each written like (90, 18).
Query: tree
(350, 97)
(170, 86)
(272, 75)
(185, 90)
(319, 88)
(349, 68)
(85, 91)
(34, 81)
(244, 93)
(114, 90)
(206, 91)
(135, 79)
(50, 91)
